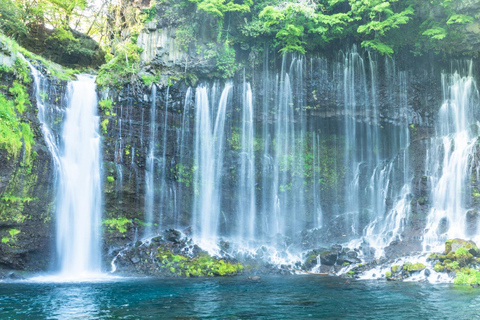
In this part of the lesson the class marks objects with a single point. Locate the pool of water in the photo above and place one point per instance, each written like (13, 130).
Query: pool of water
(273, 297)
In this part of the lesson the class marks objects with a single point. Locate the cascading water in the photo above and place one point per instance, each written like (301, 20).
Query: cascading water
(286, 172)
(150, 165)
(246, 187)
(209, 153)
(449, 159)
(79, 190)
(77, 157)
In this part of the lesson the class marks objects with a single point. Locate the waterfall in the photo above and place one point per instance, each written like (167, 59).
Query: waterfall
(209, 152)
(246, 186)
(79, 191)
(150, 165)
(77, 157)
(450, 156)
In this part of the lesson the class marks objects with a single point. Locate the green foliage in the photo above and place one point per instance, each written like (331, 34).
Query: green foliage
(184, 174)
(12, 233)
(20, 93)
(467, 276)
(224, 56)
(388, 274)
(119, 224)
(150, 78)
(150, 13)
(110, 179)
(104, 125)
(13, 133)
(122, 67)
(201, 266)
(451, 265)
(395, 268)
(106, 105)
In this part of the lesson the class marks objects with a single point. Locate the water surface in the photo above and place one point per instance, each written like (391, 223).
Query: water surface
(274, 297)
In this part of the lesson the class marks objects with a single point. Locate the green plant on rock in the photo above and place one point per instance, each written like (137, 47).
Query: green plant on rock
(388, 274)
(150, 78)
(467, 276)
(408, 266)
(106, 105)
(20, 93)
(119, 224)
(11, 237)
(122, 67)
(451, 265)
(200, 266)
(104, 125)
(395, 268)
(183, 174)
(439, 267)
(13, 133)
(463, 256)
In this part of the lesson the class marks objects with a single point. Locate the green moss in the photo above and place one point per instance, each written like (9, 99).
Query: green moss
(183, 174)
(448, 246)
(452, 266)
(19, 91)
(388, 274)
(467, 276)
(104, 125)
(413, 267)
(11, 237)
(14, 134)
(119, 224)
(439, 267)
(106, 105)
(201, 266)
(395, 268)
(110, 179)
(432, 256)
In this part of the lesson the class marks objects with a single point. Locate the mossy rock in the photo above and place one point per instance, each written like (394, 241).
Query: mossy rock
(395, 268)
(432, 257)
(201, 266)
(438, 267)
(454, 244)
(388, 274)
(409, 267)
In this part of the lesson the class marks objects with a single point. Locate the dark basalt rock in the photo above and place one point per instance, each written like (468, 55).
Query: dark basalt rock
(328, 258)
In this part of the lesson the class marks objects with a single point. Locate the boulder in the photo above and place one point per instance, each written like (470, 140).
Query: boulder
(452, 245)
(328, 258)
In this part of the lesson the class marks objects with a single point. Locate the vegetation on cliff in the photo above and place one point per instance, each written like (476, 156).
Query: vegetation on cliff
(225, 31)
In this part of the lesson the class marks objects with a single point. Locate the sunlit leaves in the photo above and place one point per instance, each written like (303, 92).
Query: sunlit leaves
(435, 33)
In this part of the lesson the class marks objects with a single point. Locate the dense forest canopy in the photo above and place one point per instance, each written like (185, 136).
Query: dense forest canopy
(300, 26)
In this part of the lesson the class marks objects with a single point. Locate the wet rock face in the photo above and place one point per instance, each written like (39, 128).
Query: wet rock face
(27, 197)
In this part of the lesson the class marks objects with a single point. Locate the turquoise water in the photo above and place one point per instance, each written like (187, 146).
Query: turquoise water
(274, 297)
